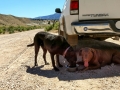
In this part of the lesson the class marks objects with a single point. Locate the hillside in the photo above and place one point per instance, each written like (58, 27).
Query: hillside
(54, 16)
(10, 20)
(7, 20)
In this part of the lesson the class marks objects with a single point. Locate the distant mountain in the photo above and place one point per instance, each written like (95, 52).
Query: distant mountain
(55, 16)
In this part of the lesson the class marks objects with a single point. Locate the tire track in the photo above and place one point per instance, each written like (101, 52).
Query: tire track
(16, 59)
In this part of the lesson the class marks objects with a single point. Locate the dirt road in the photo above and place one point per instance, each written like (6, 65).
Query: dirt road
(17, 72)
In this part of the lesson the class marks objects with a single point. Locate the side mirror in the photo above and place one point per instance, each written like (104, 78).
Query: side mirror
(58, 10)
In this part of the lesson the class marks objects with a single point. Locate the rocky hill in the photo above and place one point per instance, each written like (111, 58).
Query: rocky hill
(7, 20)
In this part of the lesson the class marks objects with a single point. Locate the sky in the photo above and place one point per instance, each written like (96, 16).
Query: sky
(30, 8)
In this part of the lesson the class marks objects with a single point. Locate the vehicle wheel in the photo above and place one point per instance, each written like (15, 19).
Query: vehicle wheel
(60, 32)
(72, 39)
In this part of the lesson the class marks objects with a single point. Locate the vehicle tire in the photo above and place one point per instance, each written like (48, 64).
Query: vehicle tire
(72, 39)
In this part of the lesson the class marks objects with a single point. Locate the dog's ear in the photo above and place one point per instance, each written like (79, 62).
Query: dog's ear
(92, 50)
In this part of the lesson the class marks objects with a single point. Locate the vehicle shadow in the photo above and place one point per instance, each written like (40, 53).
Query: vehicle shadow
(106, 44)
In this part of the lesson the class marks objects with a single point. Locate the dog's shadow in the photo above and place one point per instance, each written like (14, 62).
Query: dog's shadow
(38, 71)
(33, 70)
(63, 74)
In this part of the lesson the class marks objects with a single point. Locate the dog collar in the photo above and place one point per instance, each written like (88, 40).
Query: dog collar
(65, 52)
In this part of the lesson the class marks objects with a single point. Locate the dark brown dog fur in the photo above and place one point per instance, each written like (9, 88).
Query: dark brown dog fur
(56, 45)
(96, 58)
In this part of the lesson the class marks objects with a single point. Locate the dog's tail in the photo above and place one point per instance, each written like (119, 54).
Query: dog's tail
(30, 45)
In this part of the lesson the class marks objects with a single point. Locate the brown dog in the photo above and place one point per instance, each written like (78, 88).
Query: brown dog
(56, 45)
(96, 58)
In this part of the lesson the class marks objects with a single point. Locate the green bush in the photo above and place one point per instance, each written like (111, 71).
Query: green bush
(56, 26)
(48, 28)
(19, 28)
(11, 29)
(2, 30)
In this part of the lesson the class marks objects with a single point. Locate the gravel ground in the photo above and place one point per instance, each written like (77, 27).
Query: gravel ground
(17, 72)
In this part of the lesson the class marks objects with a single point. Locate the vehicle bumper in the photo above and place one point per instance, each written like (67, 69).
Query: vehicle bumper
(95, 27)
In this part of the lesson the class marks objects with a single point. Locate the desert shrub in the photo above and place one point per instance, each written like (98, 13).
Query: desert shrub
(56, 26)
(2, 30)
(48, 28)
(11, 29)
(24, 29)
(28, 28)
(34, 27)
(19, 28)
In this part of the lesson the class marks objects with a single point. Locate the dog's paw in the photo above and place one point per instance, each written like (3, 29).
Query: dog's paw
(60, 65)
(56, 69)
(47, 64)
(83, 70)
(35, 65)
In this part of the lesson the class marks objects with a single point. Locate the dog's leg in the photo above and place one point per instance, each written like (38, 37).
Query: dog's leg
(36, 54)
(58, 61)
(116, 59)
(53, 62)
(44, 55)
(80, 63)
